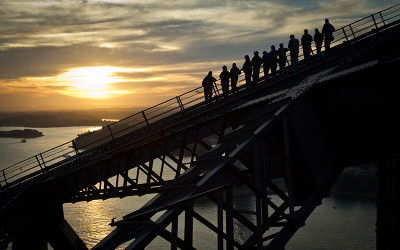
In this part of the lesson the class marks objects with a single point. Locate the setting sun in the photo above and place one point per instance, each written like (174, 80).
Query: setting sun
(94, 82)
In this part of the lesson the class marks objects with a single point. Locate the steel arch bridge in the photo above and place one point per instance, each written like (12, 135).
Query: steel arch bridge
(303, 127)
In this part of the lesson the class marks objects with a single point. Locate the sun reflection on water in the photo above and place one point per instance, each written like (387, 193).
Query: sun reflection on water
(91, 219)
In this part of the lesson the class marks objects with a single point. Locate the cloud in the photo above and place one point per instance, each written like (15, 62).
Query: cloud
(177, 42)
(49, 61)
(341, 7)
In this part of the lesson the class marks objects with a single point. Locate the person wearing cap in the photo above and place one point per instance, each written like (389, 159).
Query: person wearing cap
(234, 75)
(327, 31)
(224, 76)
(256, 62)
(207, 83)
(247, 70)
(266, 64)
(293, 47)
(282, 58)
(306, 41)
(318, 39)
(273, 54)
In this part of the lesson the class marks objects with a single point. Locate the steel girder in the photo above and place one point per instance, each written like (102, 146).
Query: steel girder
(134, 172)
(267, 144)
(214, 176)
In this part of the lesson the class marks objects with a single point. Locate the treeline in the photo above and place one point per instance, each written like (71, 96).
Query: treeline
(41, 119)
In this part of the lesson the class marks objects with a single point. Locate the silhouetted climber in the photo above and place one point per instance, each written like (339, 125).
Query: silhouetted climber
(256, 62)
(266, 64)
(234, 74)
(293, 47)
(224, 76)
(318, 38)
(207, 83)
(247, 70)
(273, 55)
(306, 41)
(282, 58)
(327, 31)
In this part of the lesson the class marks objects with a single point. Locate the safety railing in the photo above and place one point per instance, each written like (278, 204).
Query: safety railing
(366, 26)
(69, 151)
(46, 161)
(362, 28)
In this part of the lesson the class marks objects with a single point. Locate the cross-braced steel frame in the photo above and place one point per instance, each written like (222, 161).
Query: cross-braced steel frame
(239, 161)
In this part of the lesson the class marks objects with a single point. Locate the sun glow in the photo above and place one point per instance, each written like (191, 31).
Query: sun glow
(95, 82)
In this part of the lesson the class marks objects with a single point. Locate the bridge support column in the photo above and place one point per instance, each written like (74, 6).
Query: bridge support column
(47, 224)
(388, 208)
(30, 238)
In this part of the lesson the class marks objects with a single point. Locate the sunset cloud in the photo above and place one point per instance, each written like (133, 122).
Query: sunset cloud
(175, 43)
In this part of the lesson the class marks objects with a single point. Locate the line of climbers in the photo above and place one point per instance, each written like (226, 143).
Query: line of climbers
(270, 61)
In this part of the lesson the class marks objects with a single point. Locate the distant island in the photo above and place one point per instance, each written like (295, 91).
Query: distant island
(26, 133)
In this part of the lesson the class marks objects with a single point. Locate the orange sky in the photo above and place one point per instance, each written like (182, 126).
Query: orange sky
(119, 53)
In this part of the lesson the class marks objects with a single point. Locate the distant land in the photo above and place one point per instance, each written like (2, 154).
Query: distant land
(26, 133)
(45, 119)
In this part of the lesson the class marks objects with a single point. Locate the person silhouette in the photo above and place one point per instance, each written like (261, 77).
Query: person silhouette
(318, 39)
(224, 76)
(256, 63)
(266, 64)
(293, 47)
(207, 83)
(306, 41)
(247, 70)
(234, 75)
(327, 31)
(273, 55)
(282, 58)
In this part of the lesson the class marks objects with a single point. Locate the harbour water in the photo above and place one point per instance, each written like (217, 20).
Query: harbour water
(336, 224)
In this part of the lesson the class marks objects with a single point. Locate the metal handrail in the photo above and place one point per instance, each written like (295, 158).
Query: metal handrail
(64, 153)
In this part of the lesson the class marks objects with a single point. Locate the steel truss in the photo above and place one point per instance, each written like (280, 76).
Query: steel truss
(241, 158)
(251, 152)
(134, 172)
